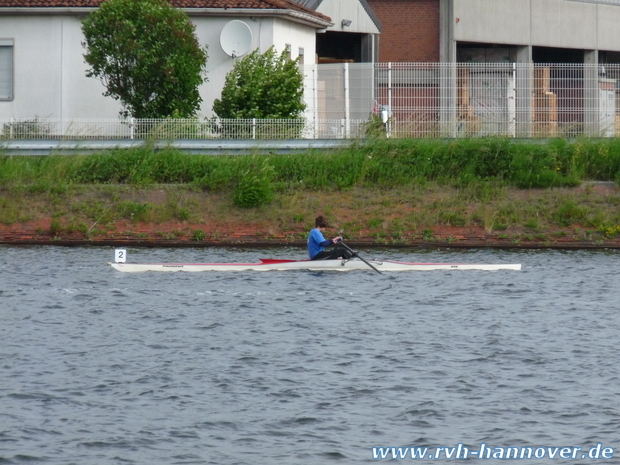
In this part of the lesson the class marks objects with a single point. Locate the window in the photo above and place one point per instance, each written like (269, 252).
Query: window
(287, 48)
(6, 69)
(301, 56)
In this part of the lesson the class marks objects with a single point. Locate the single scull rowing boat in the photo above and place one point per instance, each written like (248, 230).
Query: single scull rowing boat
(312, 265)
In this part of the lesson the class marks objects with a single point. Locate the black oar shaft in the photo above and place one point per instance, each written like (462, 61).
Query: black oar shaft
(358, 256)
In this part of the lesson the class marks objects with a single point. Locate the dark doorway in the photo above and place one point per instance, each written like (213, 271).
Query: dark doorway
(608, 57)
(337, 47)
(557, 55)
(469, 52)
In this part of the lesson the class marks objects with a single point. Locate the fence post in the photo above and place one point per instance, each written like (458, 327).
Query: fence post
(131, 127)
(253, 128)
(447, 99)
(524, 95)
(11, 121)
(390, 87)
(315, 98)
(512, 102)
(591, 97)
(347, 109)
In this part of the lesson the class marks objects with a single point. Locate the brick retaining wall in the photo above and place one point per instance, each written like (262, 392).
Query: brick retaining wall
(177, 234)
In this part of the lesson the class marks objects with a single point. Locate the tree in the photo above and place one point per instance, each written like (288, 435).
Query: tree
(147, 56)
(262, 86)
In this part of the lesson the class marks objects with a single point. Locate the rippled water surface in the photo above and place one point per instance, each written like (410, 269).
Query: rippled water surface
(102, 367)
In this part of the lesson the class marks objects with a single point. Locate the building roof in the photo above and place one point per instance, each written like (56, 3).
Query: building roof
(215, 4)
(315, 4)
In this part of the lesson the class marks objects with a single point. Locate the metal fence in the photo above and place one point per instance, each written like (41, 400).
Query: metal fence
(177, 128)
(473, 99)
(398, 100)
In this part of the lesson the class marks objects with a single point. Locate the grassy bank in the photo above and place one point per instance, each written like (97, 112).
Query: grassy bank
(389, 190)
(397, 215)
(382, 162)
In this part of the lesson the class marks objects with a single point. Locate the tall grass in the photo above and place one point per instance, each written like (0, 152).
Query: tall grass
(376, 163)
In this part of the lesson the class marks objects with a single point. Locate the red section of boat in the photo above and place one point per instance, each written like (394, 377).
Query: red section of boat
(263, 261)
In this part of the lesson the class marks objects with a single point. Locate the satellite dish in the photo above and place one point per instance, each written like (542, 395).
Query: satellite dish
(236, 38)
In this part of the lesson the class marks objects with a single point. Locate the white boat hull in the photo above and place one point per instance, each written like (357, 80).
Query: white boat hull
(311, 265)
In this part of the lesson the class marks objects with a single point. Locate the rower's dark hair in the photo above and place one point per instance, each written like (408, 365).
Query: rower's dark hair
(321, 222)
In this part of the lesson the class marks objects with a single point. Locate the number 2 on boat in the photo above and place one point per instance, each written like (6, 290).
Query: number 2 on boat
(120, 255)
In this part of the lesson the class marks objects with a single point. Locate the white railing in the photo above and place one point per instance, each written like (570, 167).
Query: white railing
(178, 128)
(397, 100)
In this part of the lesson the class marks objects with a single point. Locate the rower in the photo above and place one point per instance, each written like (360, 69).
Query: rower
(317, 243)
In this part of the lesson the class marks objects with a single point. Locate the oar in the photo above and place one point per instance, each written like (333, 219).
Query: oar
(358, 256)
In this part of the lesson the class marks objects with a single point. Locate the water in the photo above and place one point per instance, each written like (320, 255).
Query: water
(101, 367)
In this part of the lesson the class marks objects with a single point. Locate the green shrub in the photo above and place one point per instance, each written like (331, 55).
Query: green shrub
(198, 235)
(452, 218)
(374, 127)
(133, 210)
(183, 214)
(255, 188)
(29, 129)
(55, 227)
(569, 213)
(147, 55)
(263, 86)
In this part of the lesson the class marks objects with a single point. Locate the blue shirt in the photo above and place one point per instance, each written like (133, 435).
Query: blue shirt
(316, 242)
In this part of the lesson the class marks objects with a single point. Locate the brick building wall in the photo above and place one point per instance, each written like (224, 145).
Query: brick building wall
(410, 30)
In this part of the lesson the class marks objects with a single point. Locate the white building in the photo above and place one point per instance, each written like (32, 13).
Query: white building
(43, 72)
(525, 31)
